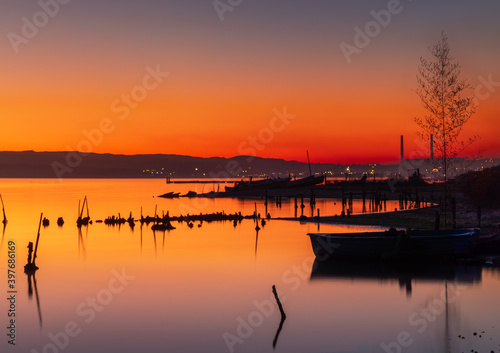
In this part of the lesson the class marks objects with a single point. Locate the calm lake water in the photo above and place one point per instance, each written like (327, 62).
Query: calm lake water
(209, 288)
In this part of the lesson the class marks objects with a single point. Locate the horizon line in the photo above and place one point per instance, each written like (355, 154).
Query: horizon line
(237, 156)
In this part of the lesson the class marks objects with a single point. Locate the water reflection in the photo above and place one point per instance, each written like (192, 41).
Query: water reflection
(3, 236)
(81, 243)
(31, 284)
(280, 327)
(141, 230)
(283, 317)
(404, 274)
(212, 265)
(442, 312)
(154, 240)
(256, 240)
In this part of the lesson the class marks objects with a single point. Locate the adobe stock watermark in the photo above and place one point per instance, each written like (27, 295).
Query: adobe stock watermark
(87, 311)
(292, 279)
(223, 6)
(255, 143)
(30, 27)
(419, 320)
(486, 87)
(363, 36)
(249, 147)
(122, 107)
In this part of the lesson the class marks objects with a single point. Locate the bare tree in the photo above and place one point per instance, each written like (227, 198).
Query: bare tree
(440, 89)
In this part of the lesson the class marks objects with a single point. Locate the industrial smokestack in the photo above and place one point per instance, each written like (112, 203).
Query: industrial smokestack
(402, 149)
(432, 146)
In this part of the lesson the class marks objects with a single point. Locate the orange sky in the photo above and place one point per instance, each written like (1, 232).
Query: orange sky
(226, 79)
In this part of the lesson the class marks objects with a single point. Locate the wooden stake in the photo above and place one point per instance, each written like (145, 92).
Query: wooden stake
(30, 252)
(83, 206)
(37, 238)
(283, 315)
(3, 209)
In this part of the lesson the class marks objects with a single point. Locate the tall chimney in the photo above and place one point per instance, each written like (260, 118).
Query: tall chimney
(432, 146)
(402, 149)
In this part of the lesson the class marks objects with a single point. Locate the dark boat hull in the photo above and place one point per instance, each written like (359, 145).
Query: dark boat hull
(170, 195)
(395, 245)
(264, 184)
(307, 181)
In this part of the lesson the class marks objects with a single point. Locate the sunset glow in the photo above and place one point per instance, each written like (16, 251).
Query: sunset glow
(173, 78)
(250, 176)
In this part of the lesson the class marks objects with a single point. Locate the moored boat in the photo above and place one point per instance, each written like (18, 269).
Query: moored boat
(306, 181)
(262, 184)
(170, 195)
(488, 244)
(394, 244)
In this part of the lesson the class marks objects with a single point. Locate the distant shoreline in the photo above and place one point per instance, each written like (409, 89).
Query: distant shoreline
(74, 165)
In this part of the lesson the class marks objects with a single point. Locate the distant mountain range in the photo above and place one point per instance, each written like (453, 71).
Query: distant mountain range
(30, 164)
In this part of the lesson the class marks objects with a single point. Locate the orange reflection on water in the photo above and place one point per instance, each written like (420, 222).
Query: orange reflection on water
(186, 287)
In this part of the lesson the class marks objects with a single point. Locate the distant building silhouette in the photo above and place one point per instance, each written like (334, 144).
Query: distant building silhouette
(402, 149)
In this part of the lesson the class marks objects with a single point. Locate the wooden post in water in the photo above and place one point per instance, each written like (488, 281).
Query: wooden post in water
(31, 267)
(37, 239)
(280, 307)
(256, 224)
(87, 205)
(3, 209)
(283, 317)
(83, 206)
(30, 252)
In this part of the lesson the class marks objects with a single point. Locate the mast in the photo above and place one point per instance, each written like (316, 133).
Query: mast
(309, 163)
